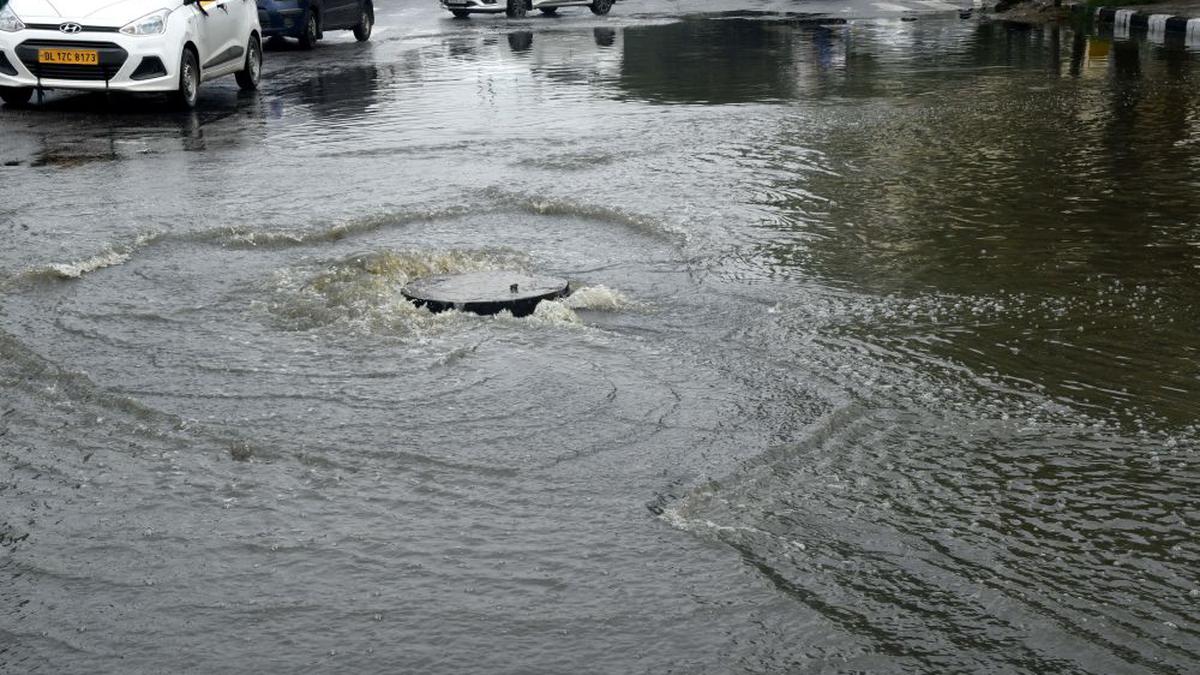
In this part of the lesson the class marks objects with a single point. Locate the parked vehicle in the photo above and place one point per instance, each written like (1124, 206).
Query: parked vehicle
(519, 8)
(117, 46)
(307, 20)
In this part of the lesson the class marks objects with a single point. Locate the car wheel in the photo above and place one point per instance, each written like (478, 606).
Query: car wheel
(549, 11)
(460, 13)
(308, 39)
(366, 21)
(247, 78)
(185, 96)
(16, 96)
(601, 7)
(516, 9)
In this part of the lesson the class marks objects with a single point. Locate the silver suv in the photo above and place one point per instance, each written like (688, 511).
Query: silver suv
(518, 8)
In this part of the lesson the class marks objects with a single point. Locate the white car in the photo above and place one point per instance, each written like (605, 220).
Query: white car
(127, 45)
(518, 8)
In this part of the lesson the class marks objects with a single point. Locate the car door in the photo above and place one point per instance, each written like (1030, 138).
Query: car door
(219, 34)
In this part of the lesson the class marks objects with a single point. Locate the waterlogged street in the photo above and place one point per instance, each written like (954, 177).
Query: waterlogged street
(882, 357)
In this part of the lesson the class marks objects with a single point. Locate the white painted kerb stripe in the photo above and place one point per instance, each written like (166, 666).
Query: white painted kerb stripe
(1121, 23)
(1158, 27)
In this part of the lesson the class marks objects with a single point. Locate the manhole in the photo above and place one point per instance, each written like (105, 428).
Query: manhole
(485, 292)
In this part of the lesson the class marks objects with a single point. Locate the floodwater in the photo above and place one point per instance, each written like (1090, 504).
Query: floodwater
(883, 356)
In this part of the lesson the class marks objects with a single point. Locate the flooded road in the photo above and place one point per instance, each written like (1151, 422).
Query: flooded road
(883, 355)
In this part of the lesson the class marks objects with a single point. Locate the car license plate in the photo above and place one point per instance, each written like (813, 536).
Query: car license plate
(69, 57)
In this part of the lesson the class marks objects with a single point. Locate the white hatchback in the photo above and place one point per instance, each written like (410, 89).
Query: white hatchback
(127, 45)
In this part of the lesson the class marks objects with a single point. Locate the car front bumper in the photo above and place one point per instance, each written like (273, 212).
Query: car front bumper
(475, 6)
(121, 56)
(497, 6)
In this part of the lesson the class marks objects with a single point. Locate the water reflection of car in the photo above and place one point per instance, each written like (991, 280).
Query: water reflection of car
(127, 45)
(342, 94)
(519, 8)
(520, 41)
(307, 20)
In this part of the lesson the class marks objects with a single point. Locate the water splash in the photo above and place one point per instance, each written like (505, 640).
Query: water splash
(597, 298)
(362, 292)
(110, 256)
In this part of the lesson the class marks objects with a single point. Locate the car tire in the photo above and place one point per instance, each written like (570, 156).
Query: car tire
(516, 9)
(184, 97)
(549, 11)
(366, 22)
(312, 31)
(16, 96)
(460, 13)
(248, 77)
(600, 7)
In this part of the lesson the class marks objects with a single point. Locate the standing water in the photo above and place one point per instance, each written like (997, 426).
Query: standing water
(882, 356)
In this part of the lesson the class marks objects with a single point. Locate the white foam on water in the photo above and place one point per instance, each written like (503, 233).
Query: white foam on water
(74, 270)
(674, 517)
(597, 298)
(110, 256)
(553, 312)
(362, 292)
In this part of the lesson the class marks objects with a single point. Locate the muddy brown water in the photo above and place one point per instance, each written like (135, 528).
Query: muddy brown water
(884, 356)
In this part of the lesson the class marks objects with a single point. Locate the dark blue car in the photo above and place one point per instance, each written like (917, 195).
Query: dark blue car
(307, 20)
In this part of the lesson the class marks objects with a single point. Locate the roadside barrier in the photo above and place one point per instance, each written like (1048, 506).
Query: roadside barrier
(1124, 20)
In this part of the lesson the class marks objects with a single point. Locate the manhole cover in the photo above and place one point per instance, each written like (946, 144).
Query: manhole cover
(485, 292)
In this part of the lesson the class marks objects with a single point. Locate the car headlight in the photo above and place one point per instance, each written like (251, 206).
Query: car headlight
(9, 22)
(151, 24)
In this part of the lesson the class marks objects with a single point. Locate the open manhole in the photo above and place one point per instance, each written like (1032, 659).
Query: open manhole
(485, 292)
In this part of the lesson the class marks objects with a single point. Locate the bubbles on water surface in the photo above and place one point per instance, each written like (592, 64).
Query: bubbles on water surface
(599, 298)
(363, 291)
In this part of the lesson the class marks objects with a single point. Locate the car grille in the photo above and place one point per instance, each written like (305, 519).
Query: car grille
(112, 58)
(83, 29)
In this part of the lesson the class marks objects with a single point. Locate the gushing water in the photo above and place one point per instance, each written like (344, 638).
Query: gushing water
(880, 355)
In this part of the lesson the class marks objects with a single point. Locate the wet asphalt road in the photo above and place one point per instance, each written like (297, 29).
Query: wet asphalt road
(881, 357)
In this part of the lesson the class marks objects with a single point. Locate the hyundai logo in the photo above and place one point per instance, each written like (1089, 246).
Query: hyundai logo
(70, 28)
